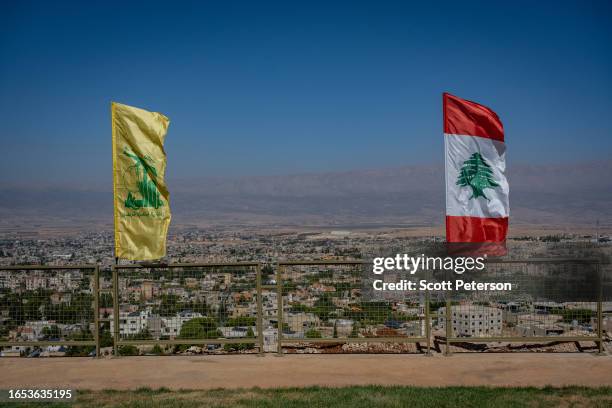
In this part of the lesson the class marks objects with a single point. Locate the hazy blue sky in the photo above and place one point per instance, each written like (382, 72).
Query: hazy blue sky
(277, 88)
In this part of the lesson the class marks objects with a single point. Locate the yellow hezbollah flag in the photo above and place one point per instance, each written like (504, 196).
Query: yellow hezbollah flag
(142, 208)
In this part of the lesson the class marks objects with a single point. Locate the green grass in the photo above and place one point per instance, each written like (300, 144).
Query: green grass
(354, 397)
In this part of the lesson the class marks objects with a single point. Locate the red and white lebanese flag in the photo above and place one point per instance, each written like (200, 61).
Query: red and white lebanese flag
(477, 207)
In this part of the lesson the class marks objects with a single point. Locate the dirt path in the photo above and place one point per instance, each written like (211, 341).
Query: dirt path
(205, 372)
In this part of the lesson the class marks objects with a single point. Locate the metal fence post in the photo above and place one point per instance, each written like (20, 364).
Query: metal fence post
(600, 310)
(599, 326)
(97, 309)
(449, 329)
(260, 338)
(279, 313)
(427, 324)
(115, 311)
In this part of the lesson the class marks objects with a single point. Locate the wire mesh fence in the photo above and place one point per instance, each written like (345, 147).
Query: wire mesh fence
(48, 310)
(552, 302)
(297, 307)
(186, 308)
(322, 309)
(106, 303)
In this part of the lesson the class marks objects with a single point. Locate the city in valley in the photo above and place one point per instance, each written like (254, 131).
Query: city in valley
(220, 302)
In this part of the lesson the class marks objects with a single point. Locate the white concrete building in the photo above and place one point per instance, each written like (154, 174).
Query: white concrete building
(171, 326)
(472, 320)
(133, 323)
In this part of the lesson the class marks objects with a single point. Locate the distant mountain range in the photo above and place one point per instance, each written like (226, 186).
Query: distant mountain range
(413, 195)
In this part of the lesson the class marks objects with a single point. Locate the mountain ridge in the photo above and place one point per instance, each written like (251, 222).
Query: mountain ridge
(561, 194)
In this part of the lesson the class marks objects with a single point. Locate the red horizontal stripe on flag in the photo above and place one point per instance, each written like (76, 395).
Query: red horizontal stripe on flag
(463, 117)
(475, 229)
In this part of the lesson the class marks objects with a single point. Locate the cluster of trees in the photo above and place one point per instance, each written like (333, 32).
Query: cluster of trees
(241, 321)
(313, 334)
(206, 328)
(78, 310)
(80, 351)
(51, 332)
(363, 312)
(4, 331)
(323, 308)
(106, 300)
(144, 334)
(171, 304)
(267, 273)
(582, 316)
(128, 350)
(36, 305)
(200, 328)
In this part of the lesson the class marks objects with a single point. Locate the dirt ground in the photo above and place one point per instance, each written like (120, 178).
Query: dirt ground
(243, 371)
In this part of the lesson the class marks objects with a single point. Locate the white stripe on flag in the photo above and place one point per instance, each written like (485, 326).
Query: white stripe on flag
(459, 148)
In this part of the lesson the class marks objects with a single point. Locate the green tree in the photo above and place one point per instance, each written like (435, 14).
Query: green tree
(313, 334)
(267, 273)
(4, 331)
(199, 328)
(106, 339)
(240, 321)
(285, 327)
(51, 332)
(169, 305)
(222, 311)
(300, 308)
(80, 351)
(477, 174)
(323, 307)
(128, 350)
(157, 350)
(106, 300)
(144, 334)
(580, 315)
(354, 331)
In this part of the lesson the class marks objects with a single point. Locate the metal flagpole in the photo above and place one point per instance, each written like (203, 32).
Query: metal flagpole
(115, 308)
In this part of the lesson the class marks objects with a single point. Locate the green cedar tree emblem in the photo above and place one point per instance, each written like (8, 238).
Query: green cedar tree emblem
(477, 174)
(147, 183)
